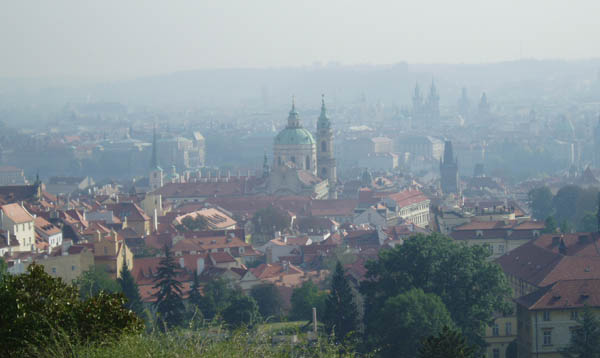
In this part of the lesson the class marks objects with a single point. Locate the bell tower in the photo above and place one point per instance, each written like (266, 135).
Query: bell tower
(156, 172)
(325, 159)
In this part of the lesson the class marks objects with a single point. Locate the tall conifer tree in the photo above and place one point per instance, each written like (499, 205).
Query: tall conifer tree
(341, 314)
(131, 291)
(169, 303)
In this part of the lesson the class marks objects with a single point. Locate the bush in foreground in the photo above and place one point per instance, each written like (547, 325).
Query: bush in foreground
(37, 310)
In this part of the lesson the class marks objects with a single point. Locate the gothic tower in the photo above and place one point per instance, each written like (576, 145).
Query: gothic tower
(325, 158)
(433, 104)
(449, 171)
(156, 172)
(597, 145)
(417, 104)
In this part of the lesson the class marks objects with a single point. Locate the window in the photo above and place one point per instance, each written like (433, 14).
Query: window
(307, 162)
(495, 353)
(293, 159)
(547, 337)
(508, 328)
(105, 251)
(574, 315)
(323, 146)
(279, 160)
(546, 316)
(73, 268)
(495, 330)
(54, 270)
(501, 248)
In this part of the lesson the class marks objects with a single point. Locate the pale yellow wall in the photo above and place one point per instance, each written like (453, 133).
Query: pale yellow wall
(560, 324)
(68, 267)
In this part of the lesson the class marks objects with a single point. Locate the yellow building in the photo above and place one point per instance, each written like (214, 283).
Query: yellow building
(548, 316)
(67, 262)
(109, 252)
(499, 236)
(499, 335)
(20, 223)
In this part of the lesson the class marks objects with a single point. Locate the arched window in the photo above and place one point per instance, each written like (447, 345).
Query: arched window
(323, 146)
(307, 162)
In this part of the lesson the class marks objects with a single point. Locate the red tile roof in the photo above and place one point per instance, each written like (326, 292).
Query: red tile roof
(564, 294)
(16, 213)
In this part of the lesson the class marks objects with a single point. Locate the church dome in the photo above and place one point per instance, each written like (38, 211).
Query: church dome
(290, 136)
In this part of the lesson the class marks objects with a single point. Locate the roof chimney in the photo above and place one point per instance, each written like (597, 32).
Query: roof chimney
(181, 262)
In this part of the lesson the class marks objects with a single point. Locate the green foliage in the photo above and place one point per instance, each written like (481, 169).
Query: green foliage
(550, 226)
(588, 223)
(3, 269)
(585, 340)
(572, 203)
(446, 344)
(512, 350)
(269, 220)
(36, 308)
(405, 319)
(437, 265)
(540, 201)
(131, 291)
(169, 303)
(242, 311)
(95, 280)
(304, 298)
(268, 299)
(179, 344)
(341, 314)
(193, 224)
(218, 294)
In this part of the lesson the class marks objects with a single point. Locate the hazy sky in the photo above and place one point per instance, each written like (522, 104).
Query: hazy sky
(110, 38)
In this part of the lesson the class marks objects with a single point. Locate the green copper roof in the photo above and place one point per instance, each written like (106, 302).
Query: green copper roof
(294, 136)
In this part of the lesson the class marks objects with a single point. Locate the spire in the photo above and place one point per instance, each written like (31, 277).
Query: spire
(294, 117)
(154, 161)
(323, 121)
(448, 153)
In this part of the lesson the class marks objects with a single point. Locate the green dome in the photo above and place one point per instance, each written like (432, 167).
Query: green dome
(294, 136)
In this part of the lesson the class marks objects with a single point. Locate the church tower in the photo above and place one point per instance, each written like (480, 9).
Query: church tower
(597, 145)
(156, 172)
(417, 104)
(433, 104)
(449, 171)
(325, 158)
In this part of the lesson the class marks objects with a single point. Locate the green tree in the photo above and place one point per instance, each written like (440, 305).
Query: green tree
(169, 303)
(268, 299)
(3, 269)
(512, 350)
(341, 314)
(436, 264)
(447, 344)
(304, 298)
(540, 201)
(588, 223)
(193, 224)
(407, 318)
(37, 309)
(131, 291)
(269, 220)
(585, 340)
(217, 296)
(242, 311)
(550, 225)
(94, 280)
(566, 203)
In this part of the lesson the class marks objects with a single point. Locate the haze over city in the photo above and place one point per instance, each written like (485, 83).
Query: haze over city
(324, 179)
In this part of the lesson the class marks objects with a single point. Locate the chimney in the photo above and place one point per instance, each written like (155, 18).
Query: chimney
(181, 262)
(199, 265)
(155, 220)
